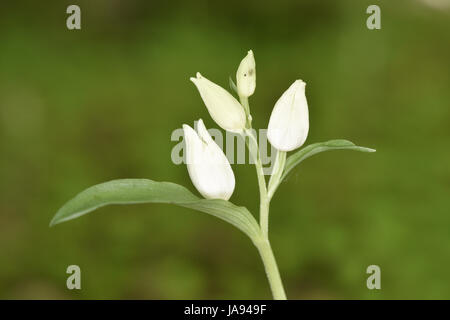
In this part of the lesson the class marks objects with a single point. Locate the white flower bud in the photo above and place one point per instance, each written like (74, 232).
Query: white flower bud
(289, 122)
(207, 165)
(246, 76)
(225, 110)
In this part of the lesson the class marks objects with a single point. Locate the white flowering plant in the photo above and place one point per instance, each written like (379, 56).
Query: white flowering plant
(210, 170)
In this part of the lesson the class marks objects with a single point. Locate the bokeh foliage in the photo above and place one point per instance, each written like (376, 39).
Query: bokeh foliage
(82, 107)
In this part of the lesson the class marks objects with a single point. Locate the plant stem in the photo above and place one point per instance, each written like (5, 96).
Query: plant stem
(263, 198)
(277, 172)
(270, 265)
(262, 243)
(248, 117)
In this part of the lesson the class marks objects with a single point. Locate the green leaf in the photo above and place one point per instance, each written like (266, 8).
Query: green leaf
(131, 191)
(315, 148)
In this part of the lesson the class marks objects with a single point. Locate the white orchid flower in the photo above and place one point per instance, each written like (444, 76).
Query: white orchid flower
(289, 121)
(225, 110)
(207, 165)
(246, 76)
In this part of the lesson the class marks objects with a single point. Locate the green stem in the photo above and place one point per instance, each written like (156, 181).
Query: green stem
(262, 243)
(263, 198)
(278, 169)
(248, 117)
(272, 273)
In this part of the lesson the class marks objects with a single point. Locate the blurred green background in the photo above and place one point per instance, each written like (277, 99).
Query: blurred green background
(82, 107)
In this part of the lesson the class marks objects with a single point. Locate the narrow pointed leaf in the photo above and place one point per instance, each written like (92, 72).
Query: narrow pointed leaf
(132, 191)
(233, 86)
(315, 148)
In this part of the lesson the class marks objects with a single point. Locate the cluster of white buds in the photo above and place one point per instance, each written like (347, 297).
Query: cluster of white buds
(210, 170)
(288, 128)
